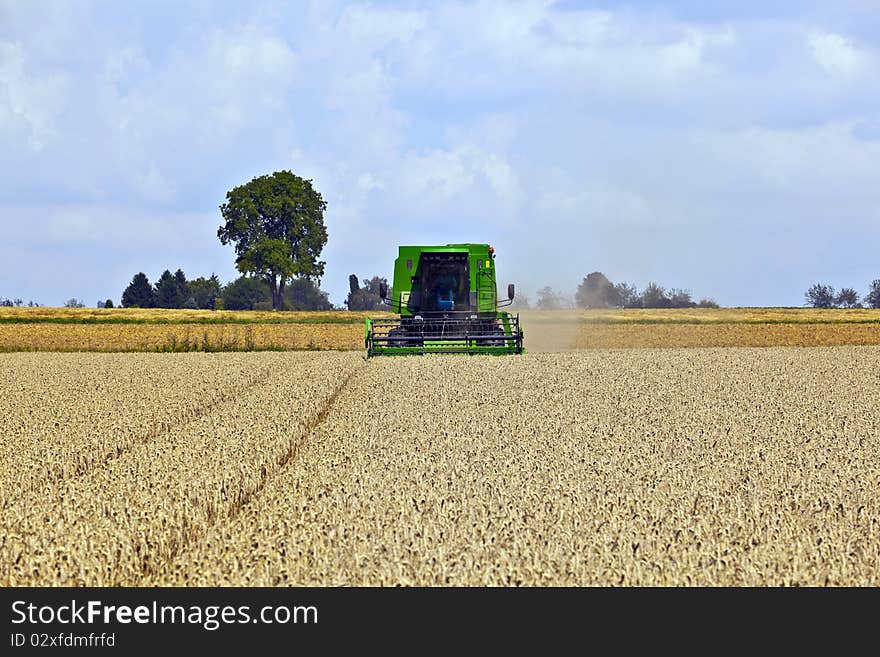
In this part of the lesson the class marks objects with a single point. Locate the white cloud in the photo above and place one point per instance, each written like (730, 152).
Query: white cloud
(36, 100)
(375, 27)
(629, 133)
(442, 175)
(367, 182)
(499, 48)
(434, 176)
(826, 159)
(124, 63)
(838, 55)
(502, 178)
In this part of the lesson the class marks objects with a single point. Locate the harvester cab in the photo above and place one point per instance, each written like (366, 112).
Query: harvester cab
(447, 302)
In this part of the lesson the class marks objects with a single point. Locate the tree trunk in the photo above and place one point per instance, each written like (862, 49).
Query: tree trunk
(280, 305)
(273, 289)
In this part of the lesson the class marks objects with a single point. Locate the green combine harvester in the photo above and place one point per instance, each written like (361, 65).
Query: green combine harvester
(447, 300)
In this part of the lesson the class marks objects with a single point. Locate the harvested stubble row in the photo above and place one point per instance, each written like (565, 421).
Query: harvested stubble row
(64, 416)
(118, 522)
(717, 466)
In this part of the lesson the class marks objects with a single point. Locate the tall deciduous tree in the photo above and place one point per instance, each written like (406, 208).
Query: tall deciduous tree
(548, 299)
(848, 298)
(595, 291)
(276, 223)
(820, 296)
(679, 298)
(654, 296)
(627, 296)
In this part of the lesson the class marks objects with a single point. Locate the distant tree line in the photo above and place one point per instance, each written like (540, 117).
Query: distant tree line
(17, 303)
(824, 296)
(244, 293)
(597, 291)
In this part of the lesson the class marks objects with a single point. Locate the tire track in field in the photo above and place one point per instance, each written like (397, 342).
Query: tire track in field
(152, 570)
(47, 477)
(120, 522)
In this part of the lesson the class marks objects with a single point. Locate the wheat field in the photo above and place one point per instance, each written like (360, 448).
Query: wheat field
(180, 337)
(152, 329)
(610, 467)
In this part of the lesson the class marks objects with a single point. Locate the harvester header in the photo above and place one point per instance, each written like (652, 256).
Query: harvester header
(447, 301)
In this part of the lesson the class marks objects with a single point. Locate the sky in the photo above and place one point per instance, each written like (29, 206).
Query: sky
(729, 148)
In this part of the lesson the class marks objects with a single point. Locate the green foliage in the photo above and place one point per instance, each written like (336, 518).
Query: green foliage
(74, 303)
(872, 299)
(654, 296)
(820, 296)
(168, 291)
(627, 296)
(595, 291)
(848, 298)
(276, 223)
(139, 293)
(182, 286)
(366, 297)
(108, 303)
(205, 291)
(679, 298)
(707, 303)
(304, 294)
(244, 293)
(548, 299)
(9, 303)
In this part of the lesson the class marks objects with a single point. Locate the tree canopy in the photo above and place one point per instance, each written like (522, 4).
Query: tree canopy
(276, 223)
(244, 293)
(304, 294)
(848, 298)
(139, 293)
(366, 297)
(820, 296)
(204, 291)
(548, 299)
(872, 299)
(168, 293)
(596, 291)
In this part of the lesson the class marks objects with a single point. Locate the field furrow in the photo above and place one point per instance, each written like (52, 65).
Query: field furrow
(709, 467)
(117, 522)
(64, 416)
